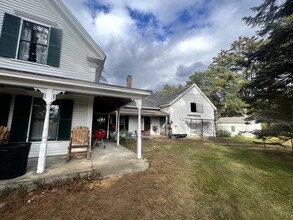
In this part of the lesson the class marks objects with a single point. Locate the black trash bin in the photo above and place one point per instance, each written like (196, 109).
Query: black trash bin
(13, 159)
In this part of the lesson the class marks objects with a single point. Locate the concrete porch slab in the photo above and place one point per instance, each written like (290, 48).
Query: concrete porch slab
(110, 161)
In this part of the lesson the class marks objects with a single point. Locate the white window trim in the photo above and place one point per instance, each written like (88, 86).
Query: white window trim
(35, 19)
(19, 36)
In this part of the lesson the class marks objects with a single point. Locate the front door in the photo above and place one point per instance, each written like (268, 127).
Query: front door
(147, 126)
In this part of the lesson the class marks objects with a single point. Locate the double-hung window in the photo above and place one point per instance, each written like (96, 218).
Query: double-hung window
(33, 43)
(29, 116)
(25, 40)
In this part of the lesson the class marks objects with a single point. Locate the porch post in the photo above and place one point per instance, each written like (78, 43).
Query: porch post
(118, 126)
(108, 127)
(49, 95)
(166, 126)
(138, 105)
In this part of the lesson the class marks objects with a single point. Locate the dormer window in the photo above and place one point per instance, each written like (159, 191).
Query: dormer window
(35, 43)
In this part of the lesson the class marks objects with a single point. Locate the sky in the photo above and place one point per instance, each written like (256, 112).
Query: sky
(161, 42)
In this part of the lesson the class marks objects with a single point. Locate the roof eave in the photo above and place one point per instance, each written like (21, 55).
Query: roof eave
(78, 26)
(69, 85)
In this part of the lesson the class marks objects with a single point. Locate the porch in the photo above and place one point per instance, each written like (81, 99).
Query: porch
(110, 161)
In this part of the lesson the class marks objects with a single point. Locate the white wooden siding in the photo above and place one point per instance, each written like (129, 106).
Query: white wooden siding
(155, 121)
(81, 115)
(132, 126)
(74, 50)
(180, 111)
(240, 129)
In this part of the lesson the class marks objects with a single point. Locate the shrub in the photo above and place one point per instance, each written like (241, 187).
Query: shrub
(223, 133)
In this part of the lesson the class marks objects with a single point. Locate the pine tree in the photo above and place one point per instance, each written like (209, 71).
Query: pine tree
(270, 92)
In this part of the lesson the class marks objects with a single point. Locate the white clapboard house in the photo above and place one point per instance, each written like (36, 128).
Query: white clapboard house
(187, 112)
(49, 77)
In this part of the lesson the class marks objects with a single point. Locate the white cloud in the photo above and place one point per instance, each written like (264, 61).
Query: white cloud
(152, 63)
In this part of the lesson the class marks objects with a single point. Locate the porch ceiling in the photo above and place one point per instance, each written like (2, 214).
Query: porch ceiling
(104, 104)
(75, 86)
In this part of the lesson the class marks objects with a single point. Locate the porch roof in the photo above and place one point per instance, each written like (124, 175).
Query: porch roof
(144, 112)
(32, 80)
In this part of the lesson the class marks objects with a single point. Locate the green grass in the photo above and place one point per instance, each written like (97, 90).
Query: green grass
(241, 184)
(187, 179)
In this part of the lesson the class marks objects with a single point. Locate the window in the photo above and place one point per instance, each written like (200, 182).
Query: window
(123, 123)
(38, 117)
(33, 44)
(196, 107)
(233, 128)
(59, 120)
(36, 43)
(193, 107)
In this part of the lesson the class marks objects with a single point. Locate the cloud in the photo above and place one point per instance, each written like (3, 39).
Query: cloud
(184, 71)
(159, 43)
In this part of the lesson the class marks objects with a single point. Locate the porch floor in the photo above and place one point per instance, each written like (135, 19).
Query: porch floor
(110, 161)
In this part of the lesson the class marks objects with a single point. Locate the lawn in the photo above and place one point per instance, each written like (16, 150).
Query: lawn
(187, 179)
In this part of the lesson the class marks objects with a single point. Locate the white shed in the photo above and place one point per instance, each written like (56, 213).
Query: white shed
(238, 126)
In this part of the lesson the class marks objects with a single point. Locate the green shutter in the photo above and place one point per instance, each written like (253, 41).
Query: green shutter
(66, 109)
(5, 107)
(127, 123)
(20, 120)
(54, 52)
(9, 35)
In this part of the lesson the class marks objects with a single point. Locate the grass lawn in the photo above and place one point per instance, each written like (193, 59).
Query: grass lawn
(187, 179)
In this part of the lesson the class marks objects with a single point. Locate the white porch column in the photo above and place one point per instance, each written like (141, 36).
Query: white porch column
(166, 126)
(108, 127)
(118, 126)
(49, 95)
(116, 117)
(138, 105)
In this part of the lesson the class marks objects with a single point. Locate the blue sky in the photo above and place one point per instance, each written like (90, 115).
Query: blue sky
(161, 41)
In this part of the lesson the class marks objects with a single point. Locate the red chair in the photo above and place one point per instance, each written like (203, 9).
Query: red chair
(99, 135)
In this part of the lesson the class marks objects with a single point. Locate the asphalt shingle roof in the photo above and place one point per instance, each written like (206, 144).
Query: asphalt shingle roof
(155, 100)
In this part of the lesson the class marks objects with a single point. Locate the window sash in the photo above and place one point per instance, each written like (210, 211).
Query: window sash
(33, 43)
(16, 40)
(38, 117)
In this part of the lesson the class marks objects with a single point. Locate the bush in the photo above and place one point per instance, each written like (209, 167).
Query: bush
(223, 133)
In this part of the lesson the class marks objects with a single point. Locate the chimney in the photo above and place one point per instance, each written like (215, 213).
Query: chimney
(129, 81)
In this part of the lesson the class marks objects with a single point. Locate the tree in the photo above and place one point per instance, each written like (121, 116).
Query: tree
(167, 89)
(270, 91)
(228, 72)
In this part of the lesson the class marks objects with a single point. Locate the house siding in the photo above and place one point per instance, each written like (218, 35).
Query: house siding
(180, 113)
(81, 116)
(240, 129)
(155, 121)
(132, 126)
(74, 51)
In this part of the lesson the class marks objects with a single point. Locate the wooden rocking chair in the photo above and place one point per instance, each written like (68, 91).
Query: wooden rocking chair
(4, 133)
(79, 140)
